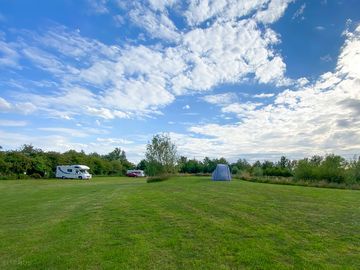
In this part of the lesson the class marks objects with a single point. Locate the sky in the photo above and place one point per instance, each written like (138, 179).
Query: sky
(252, 79)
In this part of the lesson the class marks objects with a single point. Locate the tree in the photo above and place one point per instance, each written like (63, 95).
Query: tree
(117, 154)
(284, 162)
(142, 165)
(29, 150)
(182, 164)
(209, 165)
(161, 156)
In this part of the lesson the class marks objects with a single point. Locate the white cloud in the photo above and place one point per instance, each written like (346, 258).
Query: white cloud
(299, 13)
(114, 141)
(186, 107)
(4, 105)
(242, 110)
(45, 61)
(220, 99)
(12, 123)
(326, 58)
(228, 52)
(264, 95)
(68, 131)
(119, 20)
(25, 107)
(98, 6)
(157, 24)
(201, 10)
(271, 70)
(9, 57)
(161, 5)
(273, 12)
(320, 28)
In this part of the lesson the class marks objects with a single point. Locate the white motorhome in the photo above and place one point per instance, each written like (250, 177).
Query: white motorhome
(73, 172)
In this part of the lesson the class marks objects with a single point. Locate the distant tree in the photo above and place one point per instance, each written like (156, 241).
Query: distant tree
(221, 160)
(208, 165)
(182, 164)
(161, 156)
(241, 165)
(19, 163)
(267, 164)
(353, 172)
(141, 165)
(116, 154)
(316, 160)
(29, 150)
(257, 171)
(284, 162)
(256, 164)
(193, 166)
(332, 169)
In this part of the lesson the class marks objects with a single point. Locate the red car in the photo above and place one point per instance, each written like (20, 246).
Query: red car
(132, 174)
(135, 173)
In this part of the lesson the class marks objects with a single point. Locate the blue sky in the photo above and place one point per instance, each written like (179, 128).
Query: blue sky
(238, 79)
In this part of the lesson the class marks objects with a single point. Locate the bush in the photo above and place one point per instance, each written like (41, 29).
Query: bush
(353, 172)
(257, 171)
(22, 176)
(36, 176)
(331, 169)
(277, 171)
(244, 175)
(155, 179)
(305, 170)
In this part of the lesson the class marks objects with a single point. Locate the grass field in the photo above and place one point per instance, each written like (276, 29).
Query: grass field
(183, 223)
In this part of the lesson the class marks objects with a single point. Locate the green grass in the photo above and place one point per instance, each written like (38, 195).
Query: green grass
(182, 223)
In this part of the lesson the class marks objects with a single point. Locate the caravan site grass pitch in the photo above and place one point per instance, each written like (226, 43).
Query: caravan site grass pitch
(182, 223)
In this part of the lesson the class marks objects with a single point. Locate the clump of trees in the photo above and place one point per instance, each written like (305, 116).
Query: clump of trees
(330, 168)
(32, 162)
(205, 166)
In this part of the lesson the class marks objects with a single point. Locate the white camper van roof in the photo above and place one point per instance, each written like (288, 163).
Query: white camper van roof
(83, 167)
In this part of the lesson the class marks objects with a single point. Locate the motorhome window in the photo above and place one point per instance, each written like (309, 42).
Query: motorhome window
(69, 170)
(82, 171)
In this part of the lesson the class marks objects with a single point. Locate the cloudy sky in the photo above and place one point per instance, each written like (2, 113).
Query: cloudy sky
(254, 79)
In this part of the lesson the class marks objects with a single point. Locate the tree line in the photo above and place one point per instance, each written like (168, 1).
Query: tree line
(31, 162)
(161, 159)
(331, 168)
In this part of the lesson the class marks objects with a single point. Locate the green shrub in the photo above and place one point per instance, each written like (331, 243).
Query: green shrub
(22, 176)
(257, 171)
(36, 176)
(159, 178)
(304, 170)
(353, 172)
(244, 175)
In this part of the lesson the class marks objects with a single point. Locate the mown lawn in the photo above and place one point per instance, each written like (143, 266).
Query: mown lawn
(183, 223)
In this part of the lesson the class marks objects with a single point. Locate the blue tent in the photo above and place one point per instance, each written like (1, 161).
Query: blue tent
(221, 173)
